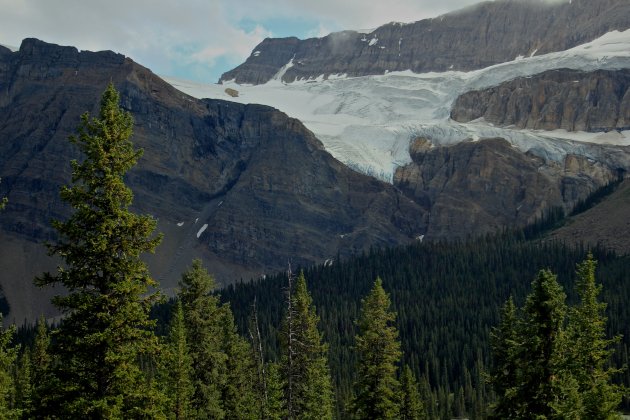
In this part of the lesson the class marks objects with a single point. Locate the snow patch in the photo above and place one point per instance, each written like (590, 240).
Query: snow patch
(373, 41)
(203, 228)
(256, 53)
(180, 224)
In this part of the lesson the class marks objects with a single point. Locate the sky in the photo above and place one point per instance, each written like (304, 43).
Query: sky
(197, 39)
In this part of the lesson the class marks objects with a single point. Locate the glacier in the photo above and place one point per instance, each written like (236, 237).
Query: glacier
(367, 122)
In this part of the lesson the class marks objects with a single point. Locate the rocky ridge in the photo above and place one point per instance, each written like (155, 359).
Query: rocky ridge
(472, 38)
(243, 187)
(484, 186)
(559, 99)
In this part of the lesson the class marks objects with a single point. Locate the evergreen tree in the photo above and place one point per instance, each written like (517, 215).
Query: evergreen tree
(378, 352)
(237, 391)
(546, 388)
(505, 351)
(411, 407)
(8, 357)
(40, 364)
(24, 384)
(106, 327)
(305, 364)
(176, 368)
(590, 349)
(202, 315)
(275, 408)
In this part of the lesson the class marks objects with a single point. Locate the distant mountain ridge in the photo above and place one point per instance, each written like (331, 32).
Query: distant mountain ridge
(473, 38)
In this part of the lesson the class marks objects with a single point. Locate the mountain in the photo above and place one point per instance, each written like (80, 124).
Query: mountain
(573, 100)
(473, 38)
(484, 186)
(244, 187)
(605, 224)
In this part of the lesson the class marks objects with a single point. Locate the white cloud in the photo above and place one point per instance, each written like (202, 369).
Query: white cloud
(166, 35)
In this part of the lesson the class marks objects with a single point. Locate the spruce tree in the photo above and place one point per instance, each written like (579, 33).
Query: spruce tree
(411, 407)
(505, 342)
(24, 384)
(40, 365)
(175, 370)
(8, 358)
(275, 407)
(305, 363)
(106, 326)
(202, 315)
(237, 390)
(590, 349)
(378, 352)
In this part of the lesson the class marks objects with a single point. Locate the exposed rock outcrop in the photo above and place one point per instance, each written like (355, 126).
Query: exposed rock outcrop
(484, 186)
(242, 186)
(472, 38)
(567, 99)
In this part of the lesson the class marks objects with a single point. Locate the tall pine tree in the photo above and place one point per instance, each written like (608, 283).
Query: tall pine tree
(8, 358)
(106, 326)
(305, 363)
(175, 368)
(590, 349)
(378, 352)
(202, 315)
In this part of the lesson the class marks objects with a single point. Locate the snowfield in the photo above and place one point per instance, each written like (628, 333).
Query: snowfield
(367, 122)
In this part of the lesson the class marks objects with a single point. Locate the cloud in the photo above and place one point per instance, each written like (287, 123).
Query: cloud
(205, 36)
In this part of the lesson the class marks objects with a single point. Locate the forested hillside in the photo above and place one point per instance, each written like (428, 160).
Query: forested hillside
(447, 296)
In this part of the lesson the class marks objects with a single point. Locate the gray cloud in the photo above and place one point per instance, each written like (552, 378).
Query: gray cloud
(168, 36)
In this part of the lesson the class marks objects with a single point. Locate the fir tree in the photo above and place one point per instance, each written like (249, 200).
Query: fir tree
(505, 351)
(176, 368)
(202, 315)
(275, 408)
(237, 390)
(411, 407)
(305, 363)
(590, 349)
(8, 357)
(378, 352)
(106, 327)
(40, 365)
(24, 384)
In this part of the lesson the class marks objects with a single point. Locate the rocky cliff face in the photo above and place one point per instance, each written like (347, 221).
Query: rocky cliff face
(242, 186)
(483, 186)
(473, 38)
(566, 99)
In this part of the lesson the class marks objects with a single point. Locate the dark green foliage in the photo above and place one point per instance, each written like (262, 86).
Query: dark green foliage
(175, 368)
(410, 402)
(106, 326)
(223, 371)
(505, 340)
(378, 352)
(447, 297)
(8, 357)
(307, 384)
(202, 315)
(275, 408)
(590, 351)
(550, 360)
